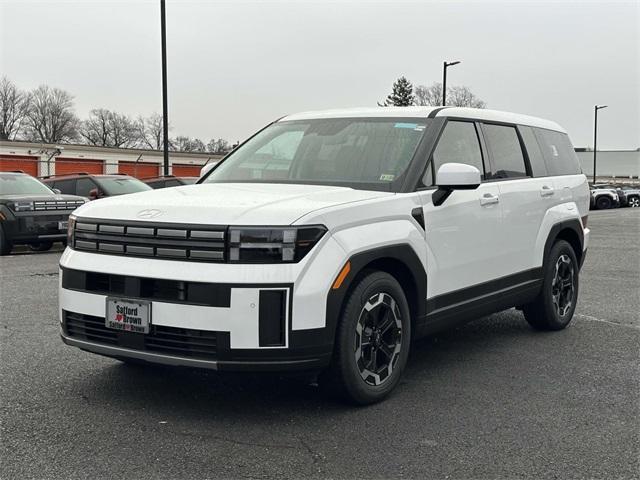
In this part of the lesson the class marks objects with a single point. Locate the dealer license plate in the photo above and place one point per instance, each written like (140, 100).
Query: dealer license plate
(128, 315)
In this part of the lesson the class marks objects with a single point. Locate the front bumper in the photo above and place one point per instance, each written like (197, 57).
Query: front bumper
(34, 227)
(225, 301)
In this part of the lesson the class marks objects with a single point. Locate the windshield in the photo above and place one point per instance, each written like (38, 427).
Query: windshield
(12, 184)
(363, 153)
(122, 185)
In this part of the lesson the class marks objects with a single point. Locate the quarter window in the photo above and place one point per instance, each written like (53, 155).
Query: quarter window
(558, 153)
(458, 144)
(507, 159)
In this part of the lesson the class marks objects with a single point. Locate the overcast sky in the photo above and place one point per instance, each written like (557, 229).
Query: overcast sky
(235, 66)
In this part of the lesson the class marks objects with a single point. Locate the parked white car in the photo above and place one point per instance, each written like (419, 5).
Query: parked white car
(329, 241)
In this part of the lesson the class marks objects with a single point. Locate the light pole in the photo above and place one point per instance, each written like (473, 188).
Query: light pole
(595, 136)
(444, 80)
(165, 114)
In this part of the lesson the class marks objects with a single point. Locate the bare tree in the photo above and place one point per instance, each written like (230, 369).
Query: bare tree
(14, 104)
(219, 146)
(187, 144)
(50, 117)
(456, 96)
(149, 131)
(429, 96)
(109, 129)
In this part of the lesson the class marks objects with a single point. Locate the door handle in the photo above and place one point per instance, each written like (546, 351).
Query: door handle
(546, 191)
(489, 199)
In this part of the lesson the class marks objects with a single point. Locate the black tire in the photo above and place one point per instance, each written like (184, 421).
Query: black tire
(376, 311)
(554, 306)
(633, 201)
(5, 244)
(603, 202)
(41, 247)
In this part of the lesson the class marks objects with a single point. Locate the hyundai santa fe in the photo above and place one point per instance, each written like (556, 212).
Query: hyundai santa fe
(328, 241)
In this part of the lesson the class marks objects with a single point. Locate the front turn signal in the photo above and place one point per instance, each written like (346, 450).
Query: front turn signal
(341, 276)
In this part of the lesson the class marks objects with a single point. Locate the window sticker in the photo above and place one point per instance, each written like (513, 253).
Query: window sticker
(419, 128)
(406, 125)
(554, 150)
(387, 177)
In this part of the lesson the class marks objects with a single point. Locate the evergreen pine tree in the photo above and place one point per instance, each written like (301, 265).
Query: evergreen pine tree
(401, 95)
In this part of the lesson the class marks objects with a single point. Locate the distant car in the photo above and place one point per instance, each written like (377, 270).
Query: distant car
(95, 186)
(31, 213)
(604, 198)
(169, 181)
(622, 197)
(632, 197)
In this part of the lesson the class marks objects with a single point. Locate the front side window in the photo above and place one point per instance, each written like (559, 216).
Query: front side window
(12, 184)
(362, 153)
(457, 144)
(84, 186)
(507, 159)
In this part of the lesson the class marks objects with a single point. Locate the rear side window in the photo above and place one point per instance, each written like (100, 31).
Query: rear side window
(507, 159)
(536, 160)
(458, 144)
(558, 153)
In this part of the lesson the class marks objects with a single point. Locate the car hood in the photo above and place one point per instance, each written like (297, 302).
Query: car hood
(225, 203)
(38, 198)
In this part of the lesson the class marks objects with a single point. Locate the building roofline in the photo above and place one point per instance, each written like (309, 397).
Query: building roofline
(94, 148)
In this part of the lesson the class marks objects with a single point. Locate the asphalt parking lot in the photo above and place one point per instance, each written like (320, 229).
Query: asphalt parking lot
(492, 399)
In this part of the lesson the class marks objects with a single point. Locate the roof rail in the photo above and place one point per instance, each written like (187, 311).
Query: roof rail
(63, 175)
(17, 171)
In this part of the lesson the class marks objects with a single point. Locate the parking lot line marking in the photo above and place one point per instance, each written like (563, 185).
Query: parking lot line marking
(601, 320)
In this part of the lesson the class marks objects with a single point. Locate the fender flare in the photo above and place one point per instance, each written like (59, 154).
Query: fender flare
(400, 254)
(572, 224)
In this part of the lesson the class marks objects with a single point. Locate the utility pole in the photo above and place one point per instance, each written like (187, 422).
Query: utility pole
(444, 80)
(595, 137)
(165, 113)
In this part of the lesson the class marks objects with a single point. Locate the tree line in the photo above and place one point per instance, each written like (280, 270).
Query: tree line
(47, 115)
(403, 94)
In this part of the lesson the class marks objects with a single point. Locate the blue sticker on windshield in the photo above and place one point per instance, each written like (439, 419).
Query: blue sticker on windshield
(406, 125)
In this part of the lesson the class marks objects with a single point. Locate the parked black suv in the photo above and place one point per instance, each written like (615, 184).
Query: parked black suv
(95, 186)
(31, 213)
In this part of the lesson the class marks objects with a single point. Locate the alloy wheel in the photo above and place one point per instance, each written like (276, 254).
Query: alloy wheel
(634, 202)
(378, 338)
(562, 287)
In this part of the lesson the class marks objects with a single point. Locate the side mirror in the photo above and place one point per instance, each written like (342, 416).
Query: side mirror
(206, 169)
(455, 176)
(94, 194)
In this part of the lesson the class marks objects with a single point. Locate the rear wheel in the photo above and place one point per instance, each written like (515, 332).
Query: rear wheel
(41, 247)
(5, 244)
(633, 202)
(372, 341)
(603, 203)
(554, 306)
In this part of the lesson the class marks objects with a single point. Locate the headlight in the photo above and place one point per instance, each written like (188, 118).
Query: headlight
(272, 245)
(22, 206)
(71, 226)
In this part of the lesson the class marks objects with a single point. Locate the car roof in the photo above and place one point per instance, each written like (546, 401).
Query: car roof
(82, 175)
(429, 112)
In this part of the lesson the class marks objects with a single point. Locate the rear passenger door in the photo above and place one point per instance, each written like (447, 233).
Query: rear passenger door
(524, 199)
(463, 234)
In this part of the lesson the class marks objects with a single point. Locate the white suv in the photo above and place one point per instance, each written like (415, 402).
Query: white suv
(328, 241)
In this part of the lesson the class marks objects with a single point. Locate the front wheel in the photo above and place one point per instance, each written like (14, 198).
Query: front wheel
(633, 202)
(554, 306)
(604, 203)
(41, 247)
(5, 244)
(372, 341)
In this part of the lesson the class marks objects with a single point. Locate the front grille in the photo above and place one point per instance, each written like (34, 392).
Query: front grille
(57, 204)
(177, 342)
(143, 239)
